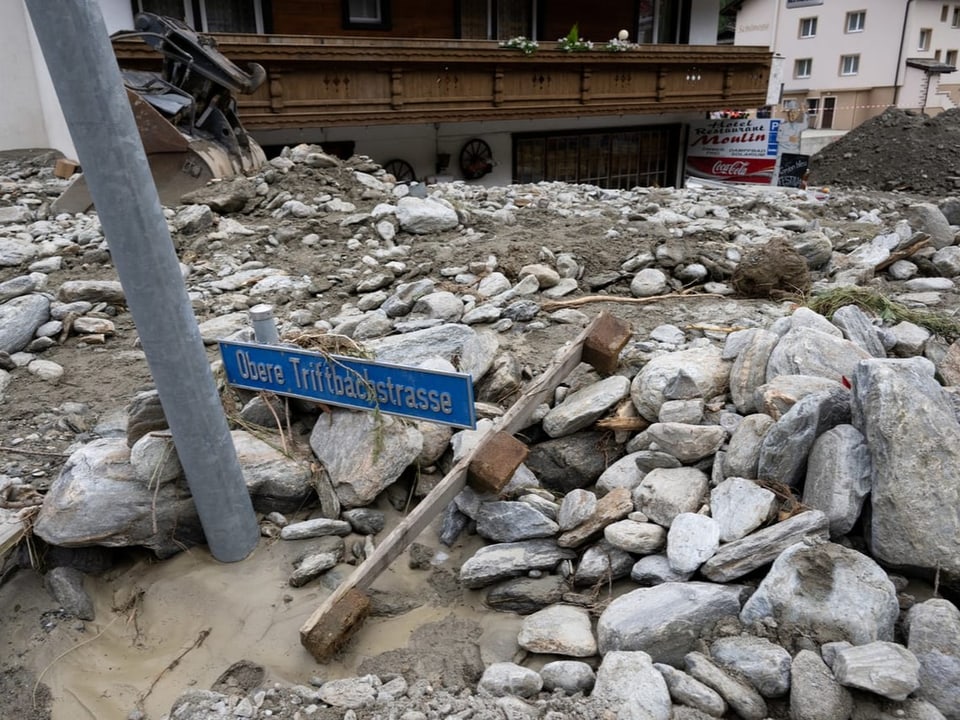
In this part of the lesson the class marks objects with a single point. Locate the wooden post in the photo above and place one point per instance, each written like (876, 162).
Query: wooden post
(342, 613)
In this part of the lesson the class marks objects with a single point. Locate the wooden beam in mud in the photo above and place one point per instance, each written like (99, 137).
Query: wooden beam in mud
(330, 626)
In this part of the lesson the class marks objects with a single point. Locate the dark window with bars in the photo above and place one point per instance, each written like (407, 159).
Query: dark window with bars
(620, 159)
(229, 16)
(212, 16)
(169, 8)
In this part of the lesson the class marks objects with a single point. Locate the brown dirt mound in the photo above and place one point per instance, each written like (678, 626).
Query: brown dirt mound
(896, 150)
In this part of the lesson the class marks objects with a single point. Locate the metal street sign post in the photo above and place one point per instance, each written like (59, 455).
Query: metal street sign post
(416, 393)
(90, 89)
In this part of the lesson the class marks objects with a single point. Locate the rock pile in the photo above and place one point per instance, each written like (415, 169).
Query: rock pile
(761, 498)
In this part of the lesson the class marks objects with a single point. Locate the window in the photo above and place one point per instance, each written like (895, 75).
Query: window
(228, 16)
(856, 20)
(944, 11)
(366, 14)
(925, 35)
(808, 27)
(802, 67)
(956, 17)
(169, 8)
(498, 19)
(936, 54)
(849, 64)
(813, 111)
(623, 159)
(952, 57)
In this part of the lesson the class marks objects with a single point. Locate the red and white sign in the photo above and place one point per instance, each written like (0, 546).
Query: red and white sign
(733, 150)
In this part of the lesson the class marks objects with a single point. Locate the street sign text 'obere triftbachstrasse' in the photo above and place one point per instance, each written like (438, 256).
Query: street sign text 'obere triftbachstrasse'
(441, 397)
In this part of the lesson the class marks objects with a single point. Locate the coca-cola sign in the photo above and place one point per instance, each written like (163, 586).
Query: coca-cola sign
(741, 150)
(737, 167)
(729, 170)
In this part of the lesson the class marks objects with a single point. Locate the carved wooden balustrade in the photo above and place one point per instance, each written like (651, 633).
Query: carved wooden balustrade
(321, 81)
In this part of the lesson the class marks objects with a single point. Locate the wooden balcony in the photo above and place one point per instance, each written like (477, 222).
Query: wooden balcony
(322, 81)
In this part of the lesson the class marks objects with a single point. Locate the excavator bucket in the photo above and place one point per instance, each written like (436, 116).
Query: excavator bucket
(186, 114)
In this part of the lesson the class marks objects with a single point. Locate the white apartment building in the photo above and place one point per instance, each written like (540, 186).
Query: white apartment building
(845, 61)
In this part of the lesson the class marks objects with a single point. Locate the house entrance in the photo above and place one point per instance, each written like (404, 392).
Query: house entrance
(829, 105)
(618, 159)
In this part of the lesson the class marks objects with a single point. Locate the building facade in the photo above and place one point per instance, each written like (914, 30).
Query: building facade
(436, 90)
(845, 61)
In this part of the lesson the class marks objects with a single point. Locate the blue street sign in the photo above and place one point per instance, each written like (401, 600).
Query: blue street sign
(440, 397)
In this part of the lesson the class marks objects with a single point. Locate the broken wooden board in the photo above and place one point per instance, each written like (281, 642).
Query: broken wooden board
(491, 471)
(11, 531)
(331, 625)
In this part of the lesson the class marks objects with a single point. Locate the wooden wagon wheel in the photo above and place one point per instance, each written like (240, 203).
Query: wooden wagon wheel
(476, 159)
(401, 170)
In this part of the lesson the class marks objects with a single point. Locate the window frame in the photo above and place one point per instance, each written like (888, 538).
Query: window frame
(620, 157)
(257, 18)
(812, 22)
(854, 61)
(860, 16)
(350, 22)
(797, 73)
(198, 20)
(812, 111)
(926, 37)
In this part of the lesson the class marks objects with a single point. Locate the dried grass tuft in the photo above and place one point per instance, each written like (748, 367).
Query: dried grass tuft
(939, 324)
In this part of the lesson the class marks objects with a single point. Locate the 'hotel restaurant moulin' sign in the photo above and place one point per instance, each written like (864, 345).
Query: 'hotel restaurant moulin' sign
(734, 150)
(440, 397)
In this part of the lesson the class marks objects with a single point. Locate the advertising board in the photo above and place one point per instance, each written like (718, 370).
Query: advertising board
(733, 150)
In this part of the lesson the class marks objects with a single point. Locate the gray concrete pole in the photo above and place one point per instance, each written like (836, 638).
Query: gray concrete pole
(84, 70)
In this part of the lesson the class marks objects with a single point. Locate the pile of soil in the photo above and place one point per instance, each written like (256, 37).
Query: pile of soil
(896, 150)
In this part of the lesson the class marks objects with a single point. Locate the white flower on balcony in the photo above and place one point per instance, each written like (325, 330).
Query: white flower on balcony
(525, 45)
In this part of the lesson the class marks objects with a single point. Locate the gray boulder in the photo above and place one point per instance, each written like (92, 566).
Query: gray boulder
(883, 668)
(363, 453)
(764, 664)
(470, 351)
(423, 216)
(667, 620)
(933, 636)
(914, 439)
(19, 320)
(827, 592)
(838, 477)
(743, 450)
(807, 351)
(815, 693)
(502, 561)
(784, 449)
(698, 372)
(97, 500)
(629, 682)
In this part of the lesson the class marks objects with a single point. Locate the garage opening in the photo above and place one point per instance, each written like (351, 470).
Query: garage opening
(620, 159)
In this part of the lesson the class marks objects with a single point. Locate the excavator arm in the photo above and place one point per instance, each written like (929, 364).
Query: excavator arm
(186, 113)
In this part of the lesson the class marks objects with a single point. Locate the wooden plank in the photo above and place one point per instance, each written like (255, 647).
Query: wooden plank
(11, 532)
(323, 632)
